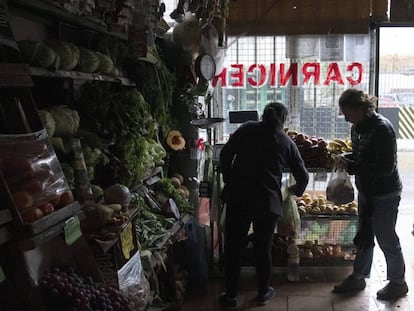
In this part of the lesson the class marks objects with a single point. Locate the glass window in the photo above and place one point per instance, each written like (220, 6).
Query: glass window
(306, 73)
(396, 79)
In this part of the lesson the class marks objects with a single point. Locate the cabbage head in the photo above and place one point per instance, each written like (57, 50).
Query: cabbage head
(66, 120)
(106, 64)
(37, 53)
(88, 61)
(68, 53)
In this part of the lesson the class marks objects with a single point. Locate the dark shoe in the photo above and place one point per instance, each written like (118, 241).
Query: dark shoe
(350, 284)
(265, 299)
(227, 302)
(392, 291)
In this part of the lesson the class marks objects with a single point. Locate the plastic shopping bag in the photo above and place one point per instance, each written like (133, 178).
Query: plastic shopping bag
(288, 224)
(133, 284)
(339, 189)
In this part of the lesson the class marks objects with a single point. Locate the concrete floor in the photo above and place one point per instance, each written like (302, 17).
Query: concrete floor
(313, 291)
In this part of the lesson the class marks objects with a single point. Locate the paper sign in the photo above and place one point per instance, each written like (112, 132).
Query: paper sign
(127, 241)
(72, 230)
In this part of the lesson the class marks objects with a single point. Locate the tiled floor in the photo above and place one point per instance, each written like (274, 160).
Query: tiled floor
(313, 291)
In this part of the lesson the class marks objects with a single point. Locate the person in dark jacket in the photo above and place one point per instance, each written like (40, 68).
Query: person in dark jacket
(374, 163)
(252, 162)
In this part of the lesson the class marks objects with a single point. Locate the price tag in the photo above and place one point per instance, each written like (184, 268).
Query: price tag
(2, 276)
(127, 241)
(72, 230)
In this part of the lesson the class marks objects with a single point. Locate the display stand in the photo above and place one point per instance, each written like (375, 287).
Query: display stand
(30, 249)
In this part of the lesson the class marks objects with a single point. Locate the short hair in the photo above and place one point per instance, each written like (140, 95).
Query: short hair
(355, 98)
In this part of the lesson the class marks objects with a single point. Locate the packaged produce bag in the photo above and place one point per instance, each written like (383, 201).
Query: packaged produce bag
(33, 174)
(288, 224)
(339, 189)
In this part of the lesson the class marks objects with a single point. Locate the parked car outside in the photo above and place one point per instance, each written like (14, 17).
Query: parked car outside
(401, 100)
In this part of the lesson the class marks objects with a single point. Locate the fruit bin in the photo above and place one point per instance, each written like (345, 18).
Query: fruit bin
(327, 238)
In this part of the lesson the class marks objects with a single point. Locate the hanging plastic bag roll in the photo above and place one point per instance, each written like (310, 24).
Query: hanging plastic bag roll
(339, 189)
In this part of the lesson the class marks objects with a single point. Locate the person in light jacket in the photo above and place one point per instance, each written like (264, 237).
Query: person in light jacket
(374, 163)
(252, 162)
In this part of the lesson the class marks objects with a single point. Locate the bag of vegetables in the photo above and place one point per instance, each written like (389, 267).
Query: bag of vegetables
(288, 224)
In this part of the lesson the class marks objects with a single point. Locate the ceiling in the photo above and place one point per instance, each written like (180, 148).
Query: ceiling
(287, 17)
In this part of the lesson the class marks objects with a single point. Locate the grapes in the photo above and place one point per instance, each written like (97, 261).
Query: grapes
(66, 290)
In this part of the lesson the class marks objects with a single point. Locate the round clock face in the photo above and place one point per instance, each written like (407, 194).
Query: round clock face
(206, 66)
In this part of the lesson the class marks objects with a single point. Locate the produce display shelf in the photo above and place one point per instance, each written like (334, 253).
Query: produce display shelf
(174, 229)
(49, 234)
(53, 218)
(160, 245)
(329, 217)
(77, 75)
(50, 10)
(15, 75)
(333, 262)
(5, 216)
(5, 234)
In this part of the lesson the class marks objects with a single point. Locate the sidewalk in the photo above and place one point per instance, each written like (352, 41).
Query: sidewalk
(405, 144)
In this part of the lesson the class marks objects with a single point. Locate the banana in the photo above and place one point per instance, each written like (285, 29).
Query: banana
(334, 145)
(340, 142)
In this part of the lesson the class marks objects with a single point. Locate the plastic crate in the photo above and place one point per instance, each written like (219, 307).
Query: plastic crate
(328, 229)
(327, 238)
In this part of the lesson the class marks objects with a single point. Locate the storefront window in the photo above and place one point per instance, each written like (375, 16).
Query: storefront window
(307, 73)
(396, 79)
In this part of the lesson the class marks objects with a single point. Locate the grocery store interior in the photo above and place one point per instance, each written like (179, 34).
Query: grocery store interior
(313, 291)
(113, 114)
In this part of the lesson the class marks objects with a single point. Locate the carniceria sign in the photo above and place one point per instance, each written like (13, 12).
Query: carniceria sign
(293, 74)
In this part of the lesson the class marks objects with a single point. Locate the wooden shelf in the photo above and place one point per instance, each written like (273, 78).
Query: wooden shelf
(52, 11)
(77, 75)
(5, 216)
(174, 229)
(15, 75)
(48, 234)
(5, 234)
(53, 218)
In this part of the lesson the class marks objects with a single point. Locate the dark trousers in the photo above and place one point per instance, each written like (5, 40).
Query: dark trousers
(236, 230)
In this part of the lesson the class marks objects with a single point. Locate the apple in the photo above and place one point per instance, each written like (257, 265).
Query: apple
(300, 138)
(314, 141)
(307, 144)
(322, 144)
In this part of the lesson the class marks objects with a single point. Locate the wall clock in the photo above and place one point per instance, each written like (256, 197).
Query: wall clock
(205, 66)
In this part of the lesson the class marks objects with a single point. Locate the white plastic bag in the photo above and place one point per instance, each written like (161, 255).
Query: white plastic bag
(133, 284)
(339, 189)
(288, 224)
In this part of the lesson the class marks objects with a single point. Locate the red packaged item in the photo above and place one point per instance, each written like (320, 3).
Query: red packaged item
(32, 173)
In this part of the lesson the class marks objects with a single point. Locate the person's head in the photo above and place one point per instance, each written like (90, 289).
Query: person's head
(356, 105)
(274, 115)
